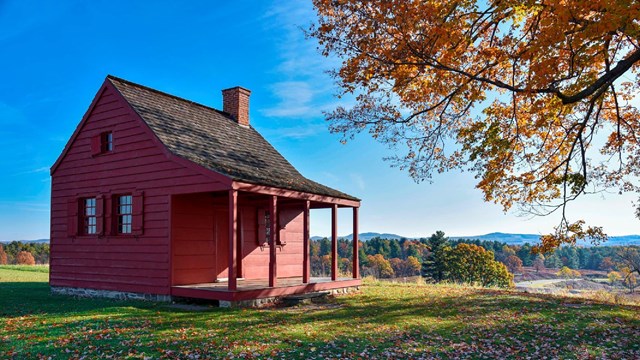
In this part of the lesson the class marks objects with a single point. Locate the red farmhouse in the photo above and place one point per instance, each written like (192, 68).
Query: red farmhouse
(156, 197)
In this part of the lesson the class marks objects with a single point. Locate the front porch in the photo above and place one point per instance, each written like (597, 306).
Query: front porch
(260, 289)
(227, 245)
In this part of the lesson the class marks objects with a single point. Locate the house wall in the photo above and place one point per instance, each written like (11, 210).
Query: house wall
(200, 236)
(255, 263)
(200, 233)
(138, 163)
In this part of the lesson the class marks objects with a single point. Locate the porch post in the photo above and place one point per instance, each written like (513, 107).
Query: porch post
(334, 242)
(273, 226)
(356, 257)
(305, 244)
(233, 243)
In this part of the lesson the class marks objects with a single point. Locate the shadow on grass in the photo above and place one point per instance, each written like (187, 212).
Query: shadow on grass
(24, 298)
(355, 322)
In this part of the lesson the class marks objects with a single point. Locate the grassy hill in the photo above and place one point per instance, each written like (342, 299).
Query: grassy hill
(385, 321)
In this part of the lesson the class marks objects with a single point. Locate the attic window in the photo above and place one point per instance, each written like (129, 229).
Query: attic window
(106, 142)
(102, 143)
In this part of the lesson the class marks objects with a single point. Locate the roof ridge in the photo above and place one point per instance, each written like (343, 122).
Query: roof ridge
(112, 77)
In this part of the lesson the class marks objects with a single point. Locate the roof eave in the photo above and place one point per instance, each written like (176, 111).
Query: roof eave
(295, 194)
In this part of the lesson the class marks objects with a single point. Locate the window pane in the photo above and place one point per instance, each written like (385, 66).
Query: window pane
(125, 209)
(109, 141)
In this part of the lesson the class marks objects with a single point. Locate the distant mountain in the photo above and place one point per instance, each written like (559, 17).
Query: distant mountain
(364, 236)
(45, 241)
(511, 239)
(519, 239)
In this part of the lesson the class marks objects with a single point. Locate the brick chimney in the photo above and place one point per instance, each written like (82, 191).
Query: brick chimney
(235, 101)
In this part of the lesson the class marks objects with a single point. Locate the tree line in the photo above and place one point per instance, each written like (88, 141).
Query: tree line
(20, 253)
(387, 258)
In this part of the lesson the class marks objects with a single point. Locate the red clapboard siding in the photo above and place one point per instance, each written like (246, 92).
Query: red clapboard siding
(194, 251)
(137, 165)
(288, 257)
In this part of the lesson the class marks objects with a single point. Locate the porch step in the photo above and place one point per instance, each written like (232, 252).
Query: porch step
(307, 298)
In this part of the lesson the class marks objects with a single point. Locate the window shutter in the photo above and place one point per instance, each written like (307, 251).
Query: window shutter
(72, 217)
(282, 237)
(282, 232)
(138, 213)
(99, 215)
(96, 145)
(262, 227)
(108, 215)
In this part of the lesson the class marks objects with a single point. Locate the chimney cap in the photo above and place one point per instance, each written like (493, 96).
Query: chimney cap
(243, 89)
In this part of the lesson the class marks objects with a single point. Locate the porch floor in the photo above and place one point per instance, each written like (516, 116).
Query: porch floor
(259, 288)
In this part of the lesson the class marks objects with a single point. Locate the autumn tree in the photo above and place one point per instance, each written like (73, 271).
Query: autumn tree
(606, 264)
(538, 263)
(413, 265)
(568, 273)
(472, 264)
(379, 266)
(614, 277)
(25, 258)
(535, 98)
(513, 263)
(629, 279)
(629, 258)
(3, 256)
(409, 267)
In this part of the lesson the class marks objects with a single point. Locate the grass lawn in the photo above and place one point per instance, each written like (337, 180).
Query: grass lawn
(385, 321)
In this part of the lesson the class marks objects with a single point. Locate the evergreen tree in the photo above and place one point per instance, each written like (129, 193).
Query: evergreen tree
(524, 253)
(395, 251)
(433, 264)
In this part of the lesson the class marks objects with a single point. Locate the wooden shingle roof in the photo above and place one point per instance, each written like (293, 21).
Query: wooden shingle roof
(212, 139)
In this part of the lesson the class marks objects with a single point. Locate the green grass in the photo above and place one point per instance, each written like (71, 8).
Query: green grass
(385, 321)
(31, 268)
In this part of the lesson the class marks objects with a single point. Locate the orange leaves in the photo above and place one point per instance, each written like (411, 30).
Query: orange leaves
(526, 89)
(569, 233)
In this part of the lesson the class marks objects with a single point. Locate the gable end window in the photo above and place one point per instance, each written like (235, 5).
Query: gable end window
(125, 214)
(89, 216)
(106, 142)
(102, 144)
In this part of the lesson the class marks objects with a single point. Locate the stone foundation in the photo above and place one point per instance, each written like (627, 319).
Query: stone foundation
(273, 300)
(121, 295)
(109, 294)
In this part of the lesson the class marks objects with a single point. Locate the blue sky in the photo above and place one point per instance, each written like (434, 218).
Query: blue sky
(55, 55)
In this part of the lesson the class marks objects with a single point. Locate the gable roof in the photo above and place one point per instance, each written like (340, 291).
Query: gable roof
(212, 139)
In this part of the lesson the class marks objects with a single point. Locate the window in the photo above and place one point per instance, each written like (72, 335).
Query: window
(89, 215)
(106, 142)
(267, 227)
(124, 214)
(264, 227)
(102, 143)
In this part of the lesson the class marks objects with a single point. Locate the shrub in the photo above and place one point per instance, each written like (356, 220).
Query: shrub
(25, 258)
(568, 273)
(472, 264)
